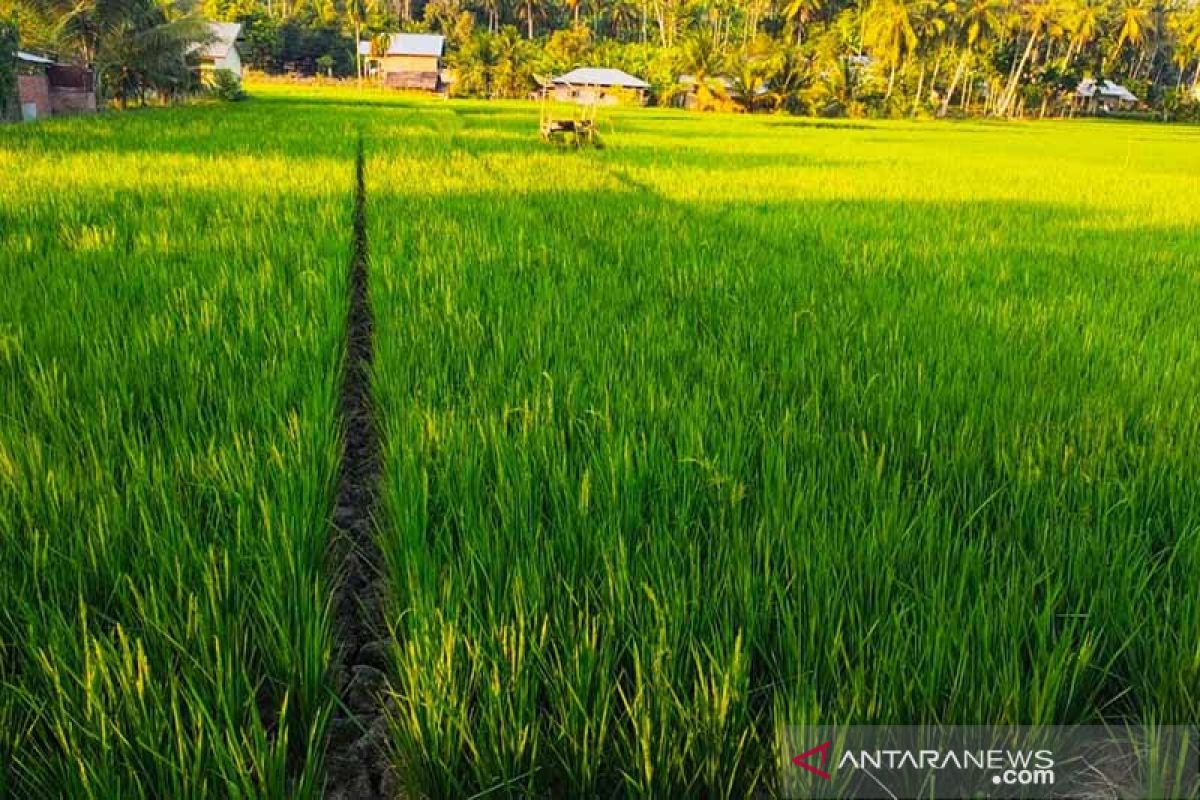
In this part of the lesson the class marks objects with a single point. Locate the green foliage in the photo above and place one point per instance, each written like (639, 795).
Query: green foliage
(498, 65)
(10, 40)
(146, 51)
(923, 57)
(262, 42)
(226, 86)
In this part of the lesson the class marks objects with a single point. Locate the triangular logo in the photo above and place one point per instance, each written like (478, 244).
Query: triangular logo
(801, 760)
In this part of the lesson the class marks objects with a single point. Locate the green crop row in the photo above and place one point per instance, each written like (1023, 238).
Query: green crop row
(170, 341)
(741, 423)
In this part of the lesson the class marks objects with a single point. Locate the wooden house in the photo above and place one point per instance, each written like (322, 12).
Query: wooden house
(405, 60)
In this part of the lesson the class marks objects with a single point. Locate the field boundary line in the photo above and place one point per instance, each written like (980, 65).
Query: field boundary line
(356, 752)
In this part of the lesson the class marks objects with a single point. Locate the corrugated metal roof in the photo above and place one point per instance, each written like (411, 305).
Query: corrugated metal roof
(600, 76)
(30, 58)
(409, 44)
(1087, 88)
(225, 35)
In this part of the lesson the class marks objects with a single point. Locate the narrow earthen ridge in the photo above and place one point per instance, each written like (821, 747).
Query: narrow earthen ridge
(356, 757)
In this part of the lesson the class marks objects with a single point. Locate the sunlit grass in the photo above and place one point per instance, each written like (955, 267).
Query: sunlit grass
(171, 333)
(741, 422)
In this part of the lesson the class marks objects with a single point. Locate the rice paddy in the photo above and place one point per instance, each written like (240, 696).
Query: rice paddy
(736, 423)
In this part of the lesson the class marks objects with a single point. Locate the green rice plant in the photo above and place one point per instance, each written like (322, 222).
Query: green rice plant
(170, 344)
(748, 422)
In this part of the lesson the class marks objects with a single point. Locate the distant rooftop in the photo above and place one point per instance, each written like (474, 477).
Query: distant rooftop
(1087, 88)
(225, 36)
(30, 58)
(409, 44)
(600, 76)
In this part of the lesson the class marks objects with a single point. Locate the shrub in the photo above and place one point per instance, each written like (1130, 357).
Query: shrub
(227, 86)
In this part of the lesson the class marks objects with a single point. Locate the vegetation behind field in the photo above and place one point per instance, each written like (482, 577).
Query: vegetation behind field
(856, 58)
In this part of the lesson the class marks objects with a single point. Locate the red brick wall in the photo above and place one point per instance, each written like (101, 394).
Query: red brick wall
(35, 89)
(72, 101)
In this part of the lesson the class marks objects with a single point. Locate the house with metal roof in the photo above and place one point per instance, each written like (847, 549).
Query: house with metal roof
(599, 85)
(405, 60)
(221, 51)
(1104, 97)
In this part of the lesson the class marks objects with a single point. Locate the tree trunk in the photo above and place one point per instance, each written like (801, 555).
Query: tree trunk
(1014, 80)
(958, 71)
(891, 82)
(1071, 55)
(358, 69)
(529, 15)
(920, 88)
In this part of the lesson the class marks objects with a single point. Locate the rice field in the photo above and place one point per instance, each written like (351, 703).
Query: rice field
(169, 354)
(737, 423)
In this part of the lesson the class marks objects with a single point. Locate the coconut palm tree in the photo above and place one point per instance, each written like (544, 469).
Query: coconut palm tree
(889, 34)
(930, 21)
(1035, 19)
(529, 11)
(700, 58)
(798, 13)
(359, 11)
(1082, 19)
(1186, 27)
(137, 45)
(1134, 18)
(977, 22)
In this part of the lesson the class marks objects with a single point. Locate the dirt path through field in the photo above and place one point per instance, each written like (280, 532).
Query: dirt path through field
(356, 752)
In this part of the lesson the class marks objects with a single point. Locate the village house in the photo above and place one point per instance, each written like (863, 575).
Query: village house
(600, 86)
(46, 88)
(410, 61)
(221, 52)
(1105, 97)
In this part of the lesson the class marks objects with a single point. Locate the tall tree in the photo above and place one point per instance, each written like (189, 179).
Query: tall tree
(798, 13)
(889, 34)
(976, 22)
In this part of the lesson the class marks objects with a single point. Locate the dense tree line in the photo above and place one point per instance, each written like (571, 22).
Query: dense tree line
(852, 57)
(834, 57)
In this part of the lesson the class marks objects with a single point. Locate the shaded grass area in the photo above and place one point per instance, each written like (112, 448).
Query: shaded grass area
(168, 379)
(678, 453)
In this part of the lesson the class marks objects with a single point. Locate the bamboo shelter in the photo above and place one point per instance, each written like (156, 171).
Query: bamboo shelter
(577, 130)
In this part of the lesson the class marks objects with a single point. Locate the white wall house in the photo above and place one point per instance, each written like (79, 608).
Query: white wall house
(222, 52)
